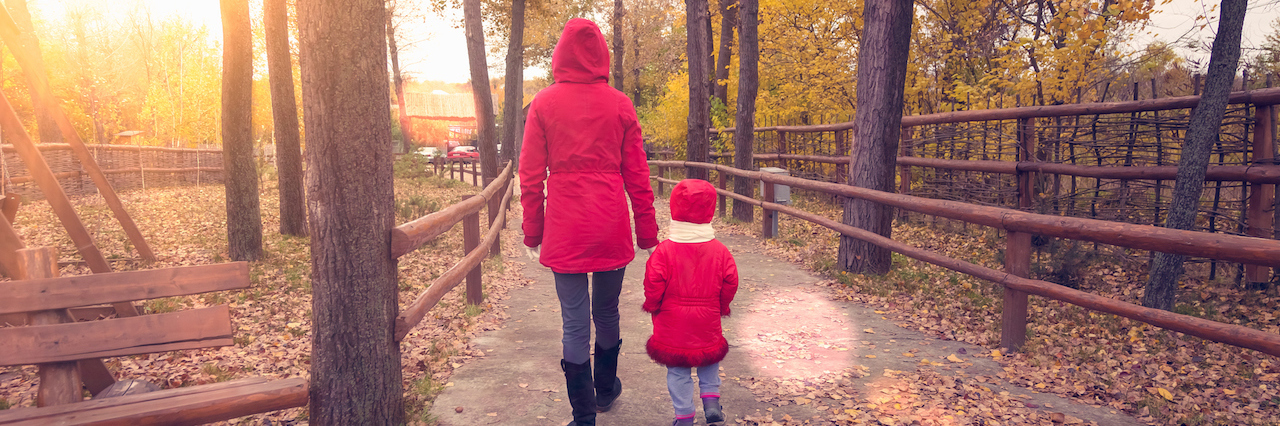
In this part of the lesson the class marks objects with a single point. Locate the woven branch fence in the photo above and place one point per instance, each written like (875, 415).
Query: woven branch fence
(127, 167)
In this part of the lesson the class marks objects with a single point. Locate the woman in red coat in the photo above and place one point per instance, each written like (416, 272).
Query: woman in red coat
(689, 282)
(582, 144)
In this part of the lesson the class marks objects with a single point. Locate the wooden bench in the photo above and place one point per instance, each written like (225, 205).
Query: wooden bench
(66, 351)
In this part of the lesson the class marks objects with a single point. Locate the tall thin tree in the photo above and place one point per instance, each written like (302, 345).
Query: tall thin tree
(244, 219)
(355, 360)
(728, 22)
(284, 113)
(697, 48)
(37, 83)
(1202, 131)
(616, 25)
(513, 96)
(748, 85)
(397, 79)
(480, 88)
(882, 71)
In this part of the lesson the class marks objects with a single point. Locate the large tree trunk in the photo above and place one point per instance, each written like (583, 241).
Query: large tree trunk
(396, 78)
(699, 94)
(728, 22)
(480, 89)
(618, 49)
(513, 99)
(284, 112)
(882, 71)
(1202, 131)
(355, 360)
(37, 83)
(244, 220)
(748, 84)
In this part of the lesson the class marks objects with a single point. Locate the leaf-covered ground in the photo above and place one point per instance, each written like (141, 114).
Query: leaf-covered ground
(1160, 377)
(272, 319)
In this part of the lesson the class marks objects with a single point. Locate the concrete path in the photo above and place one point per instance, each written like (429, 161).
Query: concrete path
(784, 326)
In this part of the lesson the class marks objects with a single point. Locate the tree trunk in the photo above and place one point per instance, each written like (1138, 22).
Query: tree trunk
(396, 78)
(635, 61)
(513, 100)
(882, 70)
(37, 83)
(728, 21)
(284, 112)
(1202, 131)
(748, 85)
(480, 89)
(355, 360)
(618, 49)
(244, 220)
(699, 96)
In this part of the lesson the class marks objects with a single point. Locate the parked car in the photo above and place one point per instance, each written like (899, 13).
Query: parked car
(430, 152)
(465, 151)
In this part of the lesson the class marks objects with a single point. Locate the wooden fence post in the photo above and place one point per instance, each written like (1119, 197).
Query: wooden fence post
(59, 381)
(1261, 196)
(1017, 255)
(662, 174)
(720, 183)
(475, 175)
(782, 149)
(767, 216)
(904, 171)
(495, 204)
(470, 241)
(842, 147)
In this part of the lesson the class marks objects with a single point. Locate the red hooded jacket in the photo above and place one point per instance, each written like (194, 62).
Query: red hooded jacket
(688, 286)
(582, 140)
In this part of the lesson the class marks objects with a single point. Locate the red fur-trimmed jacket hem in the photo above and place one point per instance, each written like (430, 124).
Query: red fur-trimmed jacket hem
(684, 357)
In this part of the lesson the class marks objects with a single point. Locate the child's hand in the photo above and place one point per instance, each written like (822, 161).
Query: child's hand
(532, 252)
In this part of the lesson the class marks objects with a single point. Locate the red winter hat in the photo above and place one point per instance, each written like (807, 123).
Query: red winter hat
(693, 201)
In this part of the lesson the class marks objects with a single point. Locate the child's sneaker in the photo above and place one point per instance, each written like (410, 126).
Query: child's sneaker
(687, 421)
(711, 408)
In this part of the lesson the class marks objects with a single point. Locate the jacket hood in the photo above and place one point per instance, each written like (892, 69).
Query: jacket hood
(693, 201)
(581, 55)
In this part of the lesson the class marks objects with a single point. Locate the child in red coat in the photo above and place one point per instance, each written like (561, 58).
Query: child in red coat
(688, 283)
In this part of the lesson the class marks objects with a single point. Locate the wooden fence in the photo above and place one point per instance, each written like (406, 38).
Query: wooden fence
(126, 167)
(496, 199)
(461, 166)
(1114, 161)
(1020, 226)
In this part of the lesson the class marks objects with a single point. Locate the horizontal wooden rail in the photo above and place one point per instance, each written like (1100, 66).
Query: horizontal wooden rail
(84, 290)
(189, 329)
(1235, 248)
(1257, 97)
(187, 405)
(1265, 174)
(412, 315)
(1234, 335)
(409, 236)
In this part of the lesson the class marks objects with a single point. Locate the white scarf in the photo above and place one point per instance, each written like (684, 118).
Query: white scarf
(685, 232)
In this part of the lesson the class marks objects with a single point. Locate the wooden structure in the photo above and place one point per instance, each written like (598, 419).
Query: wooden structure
(125, 166)
(459, 166)
(1113, 161)
(1242, 249)
(409, 236)
(67, 350)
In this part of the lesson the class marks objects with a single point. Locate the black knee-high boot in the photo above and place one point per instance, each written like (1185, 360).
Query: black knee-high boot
(582, 392)
(608, 385)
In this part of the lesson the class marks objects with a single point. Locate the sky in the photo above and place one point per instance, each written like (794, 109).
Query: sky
(441, 53)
